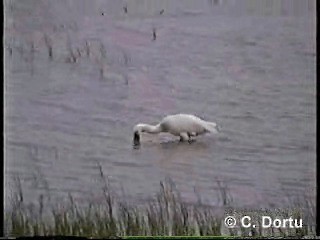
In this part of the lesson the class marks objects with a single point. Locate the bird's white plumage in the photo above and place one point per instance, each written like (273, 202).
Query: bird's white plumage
(183, 125)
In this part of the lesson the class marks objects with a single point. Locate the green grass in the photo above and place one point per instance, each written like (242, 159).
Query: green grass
(167, 215)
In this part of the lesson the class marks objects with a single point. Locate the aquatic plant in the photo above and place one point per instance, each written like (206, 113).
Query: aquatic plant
(166, 215)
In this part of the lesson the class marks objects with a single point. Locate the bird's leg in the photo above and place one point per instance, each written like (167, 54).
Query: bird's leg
(184, 136)
(190, 140)
(189, 137)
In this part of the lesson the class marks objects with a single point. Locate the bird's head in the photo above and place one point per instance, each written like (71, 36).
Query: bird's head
(137, 130)
(136, 138)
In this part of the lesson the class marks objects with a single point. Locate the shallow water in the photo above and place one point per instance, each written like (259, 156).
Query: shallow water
(247, 65)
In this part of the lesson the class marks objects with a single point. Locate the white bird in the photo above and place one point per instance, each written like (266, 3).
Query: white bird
(183, 125)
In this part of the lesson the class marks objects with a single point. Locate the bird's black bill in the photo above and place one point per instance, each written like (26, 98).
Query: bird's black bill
(136, 139)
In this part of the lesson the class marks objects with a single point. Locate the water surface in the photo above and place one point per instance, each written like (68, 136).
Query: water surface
(247, 65)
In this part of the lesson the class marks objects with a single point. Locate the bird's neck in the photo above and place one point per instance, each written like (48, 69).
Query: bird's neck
(151, 129)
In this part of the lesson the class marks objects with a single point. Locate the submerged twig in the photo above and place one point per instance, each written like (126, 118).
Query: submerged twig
(71, 58)
(103, 51)
(125, 9)
(87, 49)
(48, 44)
(154, 34)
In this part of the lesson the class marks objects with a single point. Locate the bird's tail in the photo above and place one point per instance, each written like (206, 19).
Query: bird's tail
(211, 127)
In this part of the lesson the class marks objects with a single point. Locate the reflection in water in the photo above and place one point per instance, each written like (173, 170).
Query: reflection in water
(169, 152)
